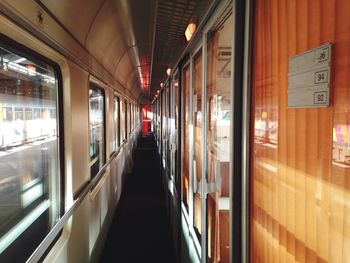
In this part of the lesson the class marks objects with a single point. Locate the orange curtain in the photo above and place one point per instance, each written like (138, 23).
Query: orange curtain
(300, 179)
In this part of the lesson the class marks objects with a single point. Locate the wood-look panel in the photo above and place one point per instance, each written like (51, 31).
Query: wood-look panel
(300, 179)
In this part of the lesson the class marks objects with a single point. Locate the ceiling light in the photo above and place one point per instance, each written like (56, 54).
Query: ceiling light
(168, 71)
(19, 60)
(191, 28)
(161, 84)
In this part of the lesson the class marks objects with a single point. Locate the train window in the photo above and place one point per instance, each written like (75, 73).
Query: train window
(29, 172)
(97, 129)
(126, 119)
(29, 114)
(219, 61)
(122, 121)
(133, 116)
(186, 136)
(130, 118)
(37, 113)
(19, 114)
(7, 113)
(117, 121)
(175, 131)
(197, 136)
(52, 113)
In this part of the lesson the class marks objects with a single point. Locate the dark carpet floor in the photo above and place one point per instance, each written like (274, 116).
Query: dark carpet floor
(140, 231)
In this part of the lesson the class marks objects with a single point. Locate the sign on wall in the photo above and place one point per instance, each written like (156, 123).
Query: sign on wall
(309, 78)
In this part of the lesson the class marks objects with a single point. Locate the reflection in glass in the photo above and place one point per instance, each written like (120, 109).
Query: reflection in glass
(117, 122)
(219, 82)
(197, 122)
(125, 119)
(186, 135)
(29, 159)
(97, 129)
(299, 174)
(175, 164)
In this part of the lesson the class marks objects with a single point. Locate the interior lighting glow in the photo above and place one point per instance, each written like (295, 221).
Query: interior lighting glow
(191, 28)
(20, 60)
(162, 84)
(168, 71)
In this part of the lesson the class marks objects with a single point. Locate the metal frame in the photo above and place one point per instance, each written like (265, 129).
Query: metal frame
(247, 76)
(204, 215)
(218, 12)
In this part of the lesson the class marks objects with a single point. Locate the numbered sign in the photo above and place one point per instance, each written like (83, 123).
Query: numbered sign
(309, 78)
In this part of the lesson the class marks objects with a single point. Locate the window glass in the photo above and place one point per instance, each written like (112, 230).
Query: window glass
(164, 125)
(7, 113)
(29, 114)
(117, 122)
(186, 136)
(133, 115)
(175, 130)
(197, 123)
(126, 118)
(219, 83)
(122, 121)
(29, 156)
(19, 114)
(130, 118)
(168, 125)
(97, 129)
(37, 113)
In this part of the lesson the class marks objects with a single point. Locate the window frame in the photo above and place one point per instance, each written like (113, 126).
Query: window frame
(96, 85)
(21, 49)
(117, 130)
(126, 119)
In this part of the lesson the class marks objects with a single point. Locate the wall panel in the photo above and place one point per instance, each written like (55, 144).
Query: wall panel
(300, 179)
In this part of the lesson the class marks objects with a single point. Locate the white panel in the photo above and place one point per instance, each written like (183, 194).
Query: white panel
(309, 78)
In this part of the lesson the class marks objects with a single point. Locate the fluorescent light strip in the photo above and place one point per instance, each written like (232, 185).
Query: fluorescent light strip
(21, 69)
(20, 60)
(18, 229)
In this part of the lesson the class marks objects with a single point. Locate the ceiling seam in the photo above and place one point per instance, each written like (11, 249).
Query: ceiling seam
(93, 21)
(121, 57)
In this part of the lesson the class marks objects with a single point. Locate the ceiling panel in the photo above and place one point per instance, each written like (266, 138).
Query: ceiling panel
(70, 14)
(173, 16)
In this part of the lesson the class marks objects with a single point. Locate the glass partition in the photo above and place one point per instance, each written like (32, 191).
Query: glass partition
(186, 135)
(197, 146)
(219, 85)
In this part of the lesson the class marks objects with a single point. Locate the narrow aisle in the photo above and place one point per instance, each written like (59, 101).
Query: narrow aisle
(140, 231)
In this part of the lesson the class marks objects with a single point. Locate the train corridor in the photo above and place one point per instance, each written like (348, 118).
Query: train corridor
(140, 230)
